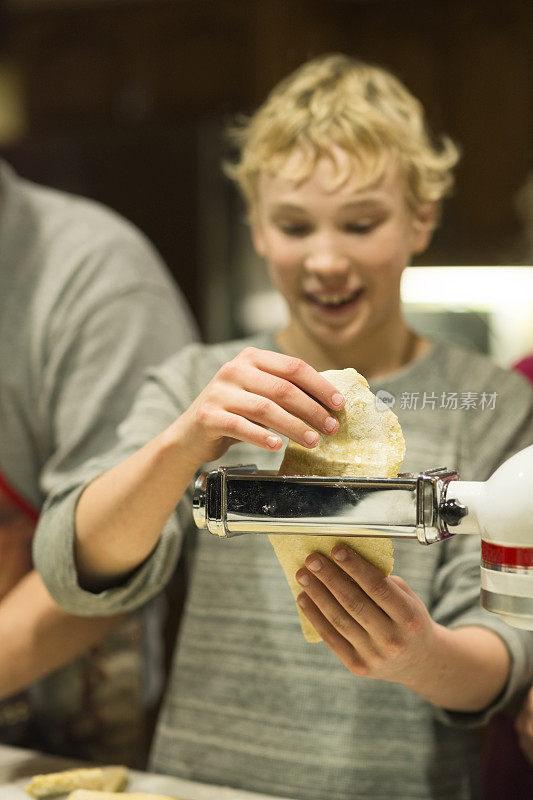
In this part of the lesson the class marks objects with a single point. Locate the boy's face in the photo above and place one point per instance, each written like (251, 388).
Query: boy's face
(337, 255)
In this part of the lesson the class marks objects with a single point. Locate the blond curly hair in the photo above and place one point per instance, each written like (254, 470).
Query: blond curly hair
(335, 101)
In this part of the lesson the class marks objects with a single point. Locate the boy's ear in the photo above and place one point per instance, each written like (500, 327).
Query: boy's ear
(424, 224)
(256, 231)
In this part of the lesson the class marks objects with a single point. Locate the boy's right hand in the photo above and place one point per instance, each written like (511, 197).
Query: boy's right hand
(255, 397)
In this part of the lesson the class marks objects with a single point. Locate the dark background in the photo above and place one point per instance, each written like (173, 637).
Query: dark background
(126, 102)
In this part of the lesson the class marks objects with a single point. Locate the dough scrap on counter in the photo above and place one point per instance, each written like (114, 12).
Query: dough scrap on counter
(368, 444)
(111, 779)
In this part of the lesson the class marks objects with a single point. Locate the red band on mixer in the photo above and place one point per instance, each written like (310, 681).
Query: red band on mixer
(506, 556)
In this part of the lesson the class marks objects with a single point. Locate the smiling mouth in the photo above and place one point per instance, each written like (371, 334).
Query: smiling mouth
(334, 301)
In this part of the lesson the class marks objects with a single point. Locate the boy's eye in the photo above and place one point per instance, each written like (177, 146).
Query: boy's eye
(360, 227)
(294, 228)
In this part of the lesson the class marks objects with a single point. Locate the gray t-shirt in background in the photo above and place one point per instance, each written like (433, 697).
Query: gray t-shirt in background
(86, 307)
(249, 703)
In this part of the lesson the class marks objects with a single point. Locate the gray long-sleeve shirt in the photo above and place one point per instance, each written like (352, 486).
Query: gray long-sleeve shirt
(250, 703)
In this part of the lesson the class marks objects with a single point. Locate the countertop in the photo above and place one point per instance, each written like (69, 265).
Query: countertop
(18, 765)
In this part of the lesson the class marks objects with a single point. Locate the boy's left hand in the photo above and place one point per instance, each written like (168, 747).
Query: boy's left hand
(376, 625)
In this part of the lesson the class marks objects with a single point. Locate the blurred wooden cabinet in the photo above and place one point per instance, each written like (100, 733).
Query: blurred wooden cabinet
(118, 92)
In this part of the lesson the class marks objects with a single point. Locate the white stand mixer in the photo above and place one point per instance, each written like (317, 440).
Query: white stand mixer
(431, 506)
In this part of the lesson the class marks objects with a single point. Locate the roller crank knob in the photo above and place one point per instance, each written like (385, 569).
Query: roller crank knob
(452, 512)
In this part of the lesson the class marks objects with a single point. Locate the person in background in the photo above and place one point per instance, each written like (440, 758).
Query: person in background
(343, 184)
(525, 366)
(86, 306)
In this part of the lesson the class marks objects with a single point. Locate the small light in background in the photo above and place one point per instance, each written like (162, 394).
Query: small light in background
(13, 117)
(469, 287)
(504, 295)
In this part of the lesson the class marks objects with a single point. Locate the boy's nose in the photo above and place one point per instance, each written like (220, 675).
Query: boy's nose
(327, 261)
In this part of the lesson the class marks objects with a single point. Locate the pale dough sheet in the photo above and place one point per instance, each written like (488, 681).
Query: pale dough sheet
(369, 443)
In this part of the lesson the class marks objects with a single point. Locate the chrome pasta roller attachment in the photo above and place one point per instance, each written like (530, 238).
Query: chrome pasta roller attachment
(430, 506)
